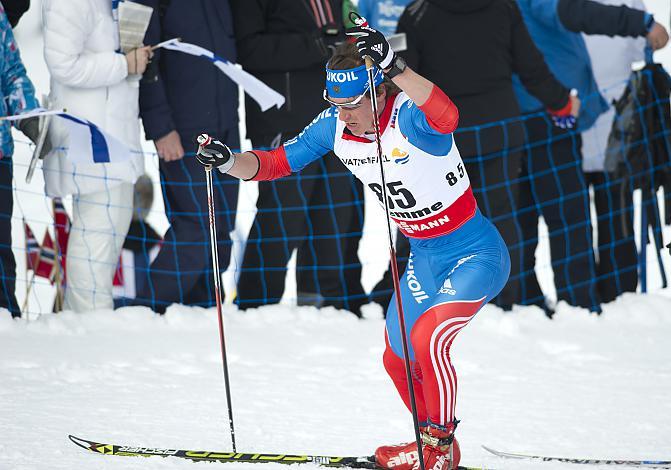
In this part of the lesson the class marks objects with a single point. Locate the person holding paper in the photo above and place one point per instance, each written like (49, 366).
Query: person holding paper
(95, 81)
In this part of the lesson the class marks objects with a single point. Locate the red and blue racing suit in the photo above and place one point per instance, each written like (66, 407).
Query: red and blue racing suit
(458, 260)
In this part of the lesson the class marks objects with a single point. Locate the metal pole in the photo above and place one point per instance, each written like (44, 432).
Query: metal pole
(370, 68)
(217, 296)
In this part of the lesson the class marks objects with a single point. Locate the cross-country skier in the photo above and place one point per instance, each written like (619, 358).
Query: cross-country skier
(458, 260)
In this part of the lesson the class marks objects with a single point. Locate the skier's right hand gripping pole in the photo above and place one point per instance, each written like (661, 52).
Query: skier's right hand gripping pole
(212, 153)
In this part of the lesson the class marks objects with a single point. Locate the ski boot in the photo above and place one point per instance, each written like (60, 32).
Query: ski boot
(439, 447)
(400, 456)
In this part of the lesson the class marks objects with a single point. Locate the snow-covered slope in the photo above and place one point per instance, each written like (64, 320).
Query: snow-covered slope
(312, 381)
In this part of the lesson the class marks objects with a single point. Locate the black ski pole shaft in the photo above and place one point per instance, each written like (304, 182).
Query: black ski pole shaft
(394, 266)
(217, 296)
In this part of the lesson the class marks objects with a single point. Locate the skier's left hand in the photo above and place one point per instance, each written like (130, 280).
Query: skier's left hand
(372, 43)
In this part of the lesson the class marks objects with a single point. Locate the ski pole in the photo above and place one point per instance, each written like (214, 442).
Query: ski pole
(394, 266)
(217, 295)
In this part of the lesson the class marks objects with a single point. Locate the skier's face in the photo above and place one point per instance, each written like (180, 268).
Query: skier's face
(358, 117)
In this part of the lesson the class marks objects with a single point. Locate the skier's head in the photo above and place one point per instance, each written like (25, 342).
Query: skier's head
(347, 89)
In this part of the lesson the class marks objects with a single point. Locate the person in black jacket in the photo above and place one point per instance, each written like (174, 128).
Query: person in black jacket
(15, 10)
(471, 49)
(319, 212)
(184, 95)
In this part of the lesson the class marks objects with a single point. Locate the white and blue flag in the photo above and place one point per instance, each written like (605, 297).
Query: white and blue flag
(87, 143)
(265, 96)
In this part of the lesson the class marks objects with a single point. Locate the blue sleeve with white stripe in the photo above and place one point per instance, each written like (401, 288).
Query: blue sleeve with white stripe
(313, 142)
(413, 125)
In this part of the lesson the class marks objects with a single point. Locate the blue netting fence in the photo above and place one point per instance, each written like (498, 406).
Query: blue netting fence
(316, 238)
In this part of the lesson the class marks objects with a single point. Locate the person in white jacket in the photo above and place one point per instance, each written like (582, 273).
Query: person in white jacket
(612, 60)
(93, 80)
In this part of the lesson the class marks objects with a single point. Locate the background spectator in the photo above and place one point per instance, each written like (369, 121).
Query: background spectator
(616, 266)
(552, 169)
(92, 80)
(319, 212)
(17, 95)
(383, 15)
(493, 44)
(182, 97)
(15, 10)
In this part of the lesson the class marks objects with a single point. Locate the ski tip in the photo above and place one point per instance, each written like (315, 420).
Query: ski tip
(498, 453)
(83, 443)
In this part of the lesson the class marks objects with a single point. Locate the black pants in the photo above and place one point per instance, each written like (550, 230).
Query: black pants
(617, 258)
(319, 212)
(7, 261)
(494, 179)
(552, 185)
(182, 271)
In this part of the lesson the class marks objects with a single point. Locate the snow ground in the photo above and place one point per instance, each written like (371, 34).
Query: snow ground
(312, 381)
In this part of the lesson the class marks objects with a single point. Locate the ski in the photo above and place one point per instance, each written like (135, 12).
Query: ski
(227, 457)
(210, 456)
(631, 463)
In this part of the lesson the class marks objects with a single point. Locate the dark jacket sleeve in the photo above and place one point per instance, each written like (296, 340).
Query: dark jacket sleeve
(586, 16)
(154, 106)
(261, 50)
(407, 25)
(15, 9)
(530, 66)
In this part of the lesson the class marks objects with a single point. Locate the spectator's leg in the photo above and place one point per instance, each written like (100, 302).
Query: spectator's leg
(617, 266)
(494, 179)
(100, 223)
(527, 215)
(335, 219)
(182, 271)
(279, 227)
(559, 189)
(7, 261)
(226, 199)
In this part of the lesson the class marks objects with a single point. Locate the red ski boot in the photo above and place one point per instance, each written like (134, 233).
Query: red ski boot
(400, 456)
(440, 449)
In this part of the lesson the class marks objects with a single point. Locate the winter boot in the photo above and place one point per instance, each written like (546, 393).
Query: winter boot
(400, 456)
(439, 447)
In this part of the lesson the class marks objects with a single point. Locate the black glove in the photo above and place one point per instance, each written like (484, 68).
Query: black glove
(31, 128)
(372, 43)
(212, 153)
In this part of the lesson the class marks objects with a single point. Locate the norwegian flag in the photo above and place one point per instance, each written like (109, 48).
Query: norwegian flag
(62, 226)
(118, 274)
(46, 262)
(32, 247)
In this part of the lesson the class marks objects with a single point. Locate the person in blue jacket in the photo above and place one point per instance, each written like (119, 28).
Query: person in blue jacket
(181, 96)
(383, 15)
(17, 95)
(551, 169)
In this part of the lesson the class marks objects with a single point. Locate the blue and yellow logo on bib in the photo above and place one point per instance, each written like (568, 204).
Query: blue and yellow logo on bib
(400, 156)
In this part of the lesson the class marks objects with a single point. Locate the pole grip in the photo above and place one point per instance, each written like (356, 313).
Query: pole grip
(369, 62)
